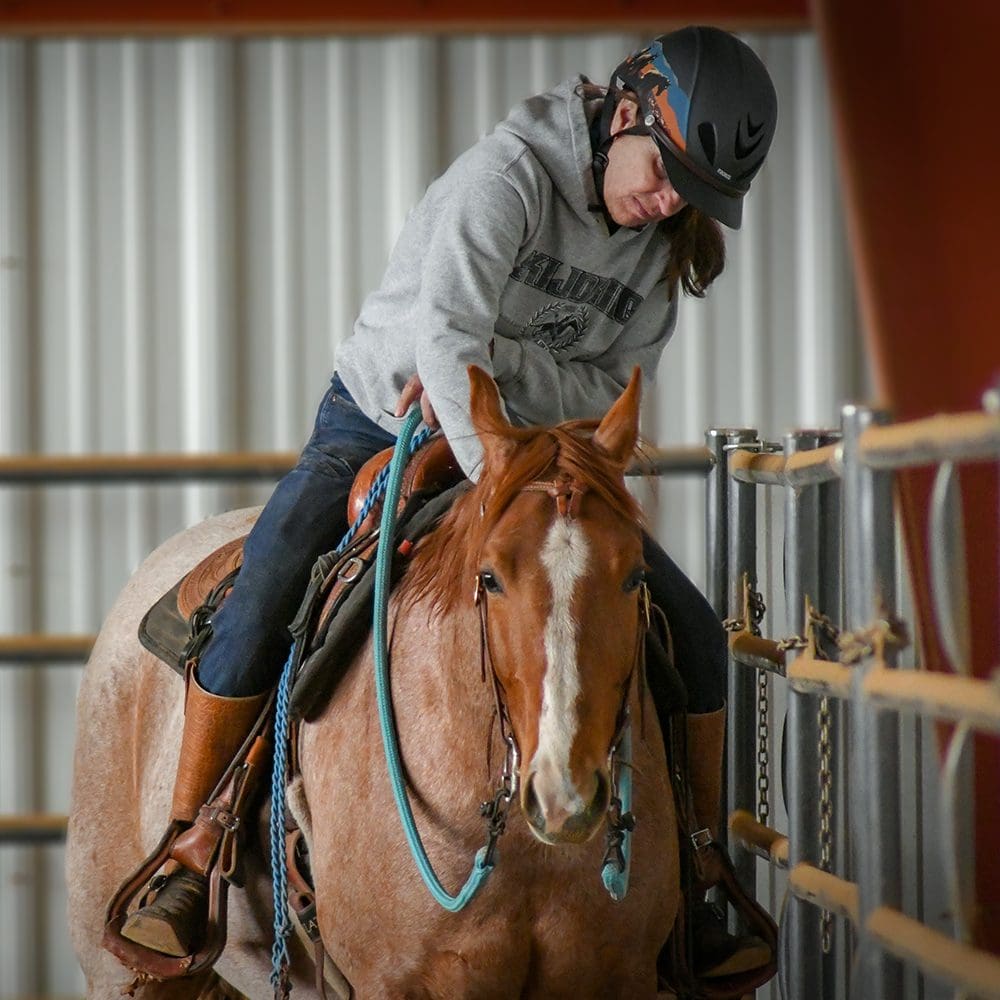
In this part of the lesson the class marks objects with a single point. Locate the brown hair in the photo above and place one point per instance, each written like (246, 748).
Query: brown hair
(697, 251)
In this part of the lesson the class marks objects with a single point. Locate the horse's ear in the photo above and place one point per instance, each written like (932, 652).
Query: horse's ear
(488, 418)
(618, 432)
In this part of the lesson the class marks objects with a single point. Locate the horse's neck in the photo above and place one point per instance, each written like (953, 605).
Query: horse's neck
(436, 661)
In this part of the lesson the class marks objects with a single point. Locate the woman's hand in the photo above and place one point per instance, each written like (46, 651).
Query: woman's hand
(412, 391)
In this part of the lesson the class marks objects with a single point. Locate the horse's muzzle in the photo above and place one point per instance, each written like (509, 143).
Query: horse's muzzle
(554, 819)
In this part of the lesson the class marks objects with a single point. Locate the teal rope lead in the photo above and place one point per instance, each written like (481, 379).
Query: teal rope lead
(279, 772)
(383, 564)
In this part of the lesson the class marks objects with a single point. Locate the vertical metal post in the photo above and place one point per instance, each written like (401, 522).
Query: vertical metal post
(869, 572)
(741, 779)
(717, 523)
(811, 571)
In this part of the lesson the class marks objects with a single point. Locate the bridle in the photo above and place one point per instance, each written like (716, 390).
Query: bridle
(567, 491)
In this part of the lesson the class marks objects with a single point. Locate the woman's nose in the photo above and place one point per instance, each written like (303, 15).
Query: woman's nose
(669, 201)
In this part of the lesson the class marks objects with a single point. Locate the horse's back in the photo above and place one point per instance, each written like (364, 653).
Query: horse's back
(129, 716)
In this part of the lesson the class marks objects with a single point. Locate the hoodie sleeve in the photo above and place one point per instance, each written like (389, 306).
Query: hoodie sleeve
(473, 247)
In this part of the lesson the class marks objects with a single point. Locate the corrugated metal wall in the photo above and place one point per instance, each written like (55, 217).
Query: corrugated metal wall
(187, 229)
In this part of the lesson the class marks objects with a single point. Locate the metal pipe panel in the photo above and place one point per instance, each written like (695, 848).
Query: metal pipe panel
(741, 780)
(804, 523)
(869, 579)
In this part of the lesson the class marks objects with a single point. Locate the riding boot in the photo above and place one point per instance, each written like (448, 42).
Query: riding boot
(215, 729)
(715, 952)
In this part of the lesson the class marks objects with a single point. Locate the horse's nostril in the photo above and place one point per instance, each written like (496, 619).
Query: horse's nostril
(531, 806)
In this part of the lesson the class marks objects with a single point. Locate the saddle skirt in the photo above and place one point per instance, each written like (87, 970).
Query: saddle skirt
(338, 615)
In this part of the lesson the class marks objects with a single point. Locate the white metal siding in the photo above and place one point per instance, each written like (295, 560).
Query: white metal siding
(187, 230)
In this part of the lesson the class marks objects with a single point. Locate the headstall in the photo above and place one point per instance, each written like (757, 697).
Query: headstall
(567, 491)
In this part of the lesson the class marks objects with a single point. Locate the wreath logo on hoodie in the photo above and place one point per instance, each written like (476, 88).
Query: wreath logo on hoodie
(557, 326)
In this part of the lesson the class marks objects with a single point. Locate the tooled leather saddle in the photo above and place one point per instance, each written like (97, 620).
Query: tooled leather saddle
(178, 624)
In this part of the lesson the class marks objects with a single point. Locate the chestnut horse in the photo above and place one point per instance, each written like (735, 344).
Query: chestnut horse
(561, 578)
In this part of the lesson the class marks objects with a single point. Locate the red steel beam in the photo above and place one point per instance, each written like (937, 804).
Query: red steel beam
(912, 84)
(380, 16)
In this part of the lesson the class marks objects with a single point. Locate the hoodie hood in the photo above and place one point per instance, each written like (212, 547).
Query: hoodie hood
(542, 124)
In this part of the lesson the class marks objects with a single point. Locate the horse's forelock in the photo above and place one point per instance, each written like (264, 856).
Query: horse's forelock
(446, 560)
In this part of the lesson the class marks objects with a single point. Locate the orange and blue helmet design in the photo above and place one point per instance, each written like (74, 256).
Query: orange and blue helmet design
(665, 97)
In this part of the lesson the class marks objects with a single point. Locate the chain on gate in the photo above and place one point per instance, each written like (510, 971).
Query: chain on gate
(819, 628)
(821, 635)
(753, 614)
(825, 815)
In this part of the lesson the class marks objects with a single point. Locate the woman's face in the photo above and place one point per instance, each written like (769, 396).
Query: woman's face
(636, 188)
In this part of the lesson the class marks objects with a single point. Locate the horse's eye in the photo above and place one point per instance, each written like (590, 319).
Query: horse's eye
(490, 583)
(635, 578)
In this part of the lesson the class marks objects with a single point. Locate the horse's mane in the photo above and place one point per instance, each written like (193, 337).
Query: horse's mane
(446, 561)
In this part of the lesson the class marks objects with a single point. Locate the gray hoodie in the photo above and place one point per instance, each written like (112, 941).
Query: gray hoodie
(506, 246)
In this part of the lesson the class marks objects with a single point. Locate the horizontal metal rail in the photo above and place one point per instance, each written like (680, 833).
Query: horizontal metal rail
(956, 437)
(32, 828)
(935, 954)
(808, 675)
(674, 461)
(27, 470)
(38, 648)
(809, 467)
(759, 839)
(36, 470)
(945, 696)
(924, 692)
(824, 890)
(757, 652)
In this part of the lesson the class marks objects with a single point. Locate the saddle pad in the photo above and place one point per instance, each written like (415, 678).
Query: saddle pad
(165, 630)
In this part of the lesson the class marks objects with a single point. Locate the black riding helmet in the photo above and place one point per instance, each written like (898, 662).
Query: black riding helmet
(708, 102)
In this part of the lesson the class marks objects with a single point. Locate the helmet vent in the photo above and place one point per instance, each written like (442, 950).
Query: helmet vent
(706, 133)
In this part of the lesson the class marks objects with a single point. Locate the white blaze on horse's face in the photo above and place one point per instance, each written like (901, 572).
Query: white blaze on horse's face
(557, 809)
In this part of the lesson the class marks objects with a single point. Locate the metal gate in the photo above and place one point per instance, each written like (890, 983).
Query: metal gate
(874, 820)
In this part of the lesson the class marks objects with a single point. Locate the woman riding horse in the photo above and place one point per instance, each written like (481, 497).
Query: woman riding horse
(551, 255)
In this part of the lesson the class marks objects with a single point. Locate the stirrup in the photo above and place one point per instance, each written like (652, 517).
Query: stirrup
(716, 952)
(146, 961)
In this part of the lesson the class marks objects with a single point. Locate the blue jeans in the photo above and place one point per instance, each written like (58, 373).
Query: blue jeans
(307, 516)
(701, 648)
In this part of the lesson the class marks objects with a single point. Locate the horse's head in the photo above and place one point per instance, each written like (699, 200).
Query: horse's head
(558, 575)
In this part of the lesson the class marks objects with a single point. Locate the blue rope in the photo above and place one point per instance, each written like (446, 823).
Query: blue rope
(279, 773)
(615, 879)
(383, 562)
